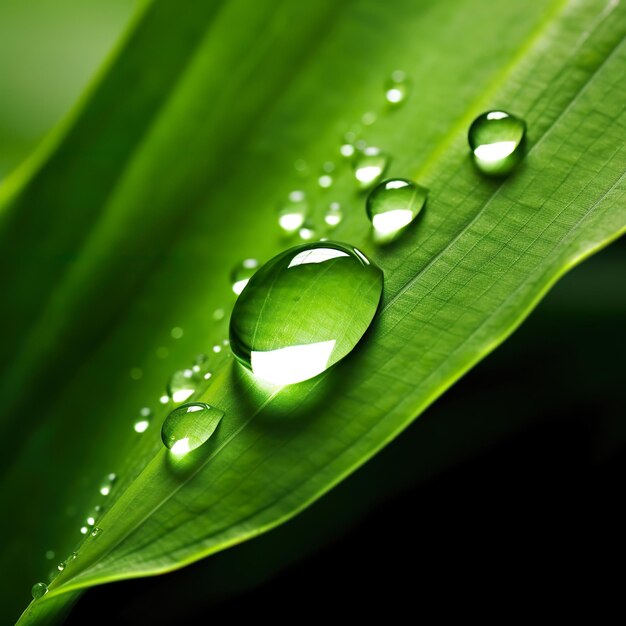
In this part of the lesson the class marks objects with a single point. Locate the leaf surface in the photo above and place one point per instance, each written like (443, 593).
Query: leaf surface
(170, 174)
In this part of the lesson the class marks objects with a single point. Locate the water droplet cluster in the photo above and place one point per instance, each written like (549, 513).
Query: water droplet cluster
(307, 308)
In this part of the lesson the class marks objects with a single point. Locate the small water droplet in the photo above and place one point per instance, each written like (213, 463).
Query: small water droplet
(91, 519)
(307, 232)
(328, 167)
(328, 291)
(347, 150)
(72, 556)
(181, 385)
(301, 166)
(397, 88)
(176, 332)
(164, 399)
(325, 181)
(333, 215)
(50, 555)
(107, 484)
(200, 363)
(392, 205)
(61, 566)
(39, 590)
(96, 532)
(162, 352)
(293, 213)
(218, 315)
(188, 426)
(369, 167)
(217, 349)
(143, 421)
(207, 376)
(367, 119)
(497, 139)
(241, 274)
(140, 426)
(136, 373)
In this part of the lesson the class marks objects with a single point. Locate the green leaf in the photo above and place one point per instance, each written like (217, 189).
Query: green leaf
(170, 174)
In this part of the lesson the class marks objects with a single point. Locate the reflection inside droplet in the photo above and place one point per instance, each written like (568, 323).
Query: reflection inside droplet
(390, 222)
(316, 255)
(495, 151)
(293, 363)
(181, 446)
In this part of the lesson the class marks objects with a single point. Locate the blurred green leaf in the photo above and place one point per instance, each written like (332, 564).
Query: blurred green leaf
(170, 174)
(41, 73)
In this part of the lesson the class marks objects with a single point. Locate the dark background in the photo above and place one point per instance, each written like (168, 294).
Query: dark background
(507, 492)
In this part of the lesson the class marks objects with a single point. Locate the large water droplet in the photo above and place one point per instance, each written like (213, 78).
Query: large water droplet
(369, 167)
(188, 426)
(304, 310)
(496, 139)
(39, 590)
(242, 273)
(107, 484)
(293, 213)
(182, 385)
(397, 88)
(392, 205)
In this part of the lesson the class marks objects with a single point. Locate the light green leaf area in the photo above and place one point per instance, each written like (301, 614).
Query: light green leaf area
(126, 225)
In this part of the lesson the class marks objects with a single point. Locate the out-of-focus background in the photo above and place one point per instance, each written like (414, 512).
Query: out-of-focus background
(49, 50)
(468, 488)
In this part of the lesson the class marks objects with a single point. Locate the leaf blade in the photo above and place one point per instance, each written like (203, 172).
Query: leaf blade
(474, 225)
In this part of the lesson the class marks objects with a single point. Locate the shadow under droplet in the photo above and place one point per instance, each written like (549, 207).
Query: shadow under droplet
(290, 404)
